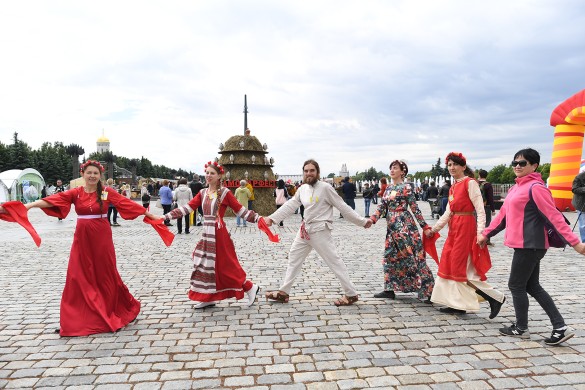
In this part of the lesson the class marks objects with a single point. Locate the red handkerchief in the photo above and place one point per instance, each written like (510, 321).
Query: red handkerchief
(481, 260)
(19, 214)
(430, 247)
(264, 227)
(162, 230)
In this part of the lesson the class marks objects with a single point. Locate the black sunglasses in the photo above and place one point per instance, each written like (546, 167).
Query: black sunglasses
(522, 163)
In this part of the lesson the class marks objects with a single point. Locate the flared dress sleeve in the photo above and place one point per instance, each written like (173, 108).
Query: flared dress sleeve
(60, 203)
(127, 208)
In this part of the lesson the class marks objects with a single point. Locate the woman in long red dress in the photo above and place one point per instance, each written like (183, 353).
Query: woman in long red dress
(217, 273)
(461, 281)
(95, 299)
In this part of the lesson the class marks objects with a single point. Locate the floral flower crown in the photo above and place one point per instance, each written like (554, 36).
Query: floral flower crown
(454, 154)
(95, 163)
(216, 165)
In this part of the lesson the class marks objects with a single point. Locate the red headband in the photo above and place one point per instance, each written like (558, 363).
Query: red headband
(91, 162)
(216, 165)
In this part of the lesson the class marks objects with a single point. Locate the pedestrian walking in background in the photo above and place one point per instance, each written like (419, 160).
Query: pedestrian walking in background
(281, 195)
(145, 196)
(487, 195)
(527, 214)
(196, 186)
(243, 195)
(112, 212)
(578, 189)
(182, 195)
(166, 199)
(368, 194)
(251, 200)
(444, 195)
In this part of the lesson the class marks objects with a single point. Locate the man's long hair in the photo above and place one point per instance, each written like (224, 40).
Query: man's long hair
(316, 164)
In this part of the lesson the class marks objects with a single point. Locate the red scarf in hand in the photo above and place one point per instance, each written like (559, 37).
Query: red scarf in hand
(16, 212)
(481, 260)
(264, 227)
(430, 246)
(162, 230)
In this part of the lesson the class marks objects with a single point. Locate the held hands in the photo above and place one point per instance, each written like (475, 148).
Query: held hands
(268, 221)
(428, 232)
(580, 247)
(481, 240)
(368, 224)
(148, 214)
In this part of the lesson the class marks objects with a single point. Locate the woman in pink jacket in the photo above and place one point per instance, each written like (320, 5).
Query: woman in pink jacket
(529, 204)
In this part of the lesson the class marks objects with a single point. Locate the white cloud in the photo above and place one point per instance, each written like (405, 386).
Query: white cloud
(360, 83)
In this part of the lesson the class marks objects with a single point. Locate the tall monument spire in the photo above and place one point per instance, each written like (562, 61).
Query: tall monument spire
(245, 114)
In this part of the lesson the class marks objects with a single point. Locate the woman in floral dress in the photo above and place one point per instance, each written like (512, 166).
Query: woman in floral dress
(405, 266)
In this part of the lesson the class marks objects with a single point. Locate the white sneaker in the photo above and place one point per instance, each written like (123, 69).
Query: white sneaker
(201, 305)
(252, 293)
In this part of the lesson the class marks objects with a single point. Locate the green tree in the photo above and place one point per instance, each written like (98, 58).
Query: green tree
(331, 175)
(74, 151)
(508, 176)
(109, 158)
(544, 170)
(4, 157)
(52, 163)
(19, 154)
(495, 174)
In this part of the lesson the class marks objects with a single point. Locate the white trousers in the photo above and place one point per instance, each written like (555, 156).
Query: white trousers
(322, 242)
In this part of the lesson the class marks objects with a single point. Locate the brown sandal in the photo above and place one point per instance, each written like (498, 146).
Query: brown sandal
(346, 301)
(278, 296)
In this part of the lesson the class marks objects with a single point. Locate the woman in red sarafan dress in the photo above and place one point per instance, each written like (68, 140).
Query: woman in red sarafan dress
(461, 278)
(95, 299)
(217, 273)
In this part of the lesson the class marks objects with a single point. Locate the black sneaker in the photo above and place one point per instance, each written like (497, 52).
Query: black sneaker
(558, 336)
(514, 331)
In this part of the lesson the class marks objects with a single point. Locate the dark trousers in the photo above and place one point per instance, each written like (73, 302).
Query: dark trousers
(110, 210)
(180, 224)
(350, 203)
(488, 215)
(524, 278)
(277, 207)
(167, 209)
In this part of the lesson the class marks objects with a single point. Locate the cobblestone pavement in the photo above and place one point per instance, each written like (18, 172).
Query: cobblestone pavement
(305, 344)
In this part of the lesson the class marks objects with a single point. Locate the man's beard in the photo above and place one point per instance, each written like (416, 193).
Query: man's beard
(311, 180)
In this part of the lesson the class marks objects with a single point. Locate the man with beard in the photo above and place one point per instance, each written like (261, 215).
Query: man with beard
(318, 198)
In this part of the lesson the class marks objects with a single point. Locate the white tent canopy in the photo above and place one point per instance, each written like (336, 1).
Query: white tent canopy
(13, 179)
(4, 193)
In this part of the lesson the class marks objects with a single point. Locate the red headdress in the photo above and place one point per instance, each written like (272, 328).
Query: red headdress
(95, 163)
(216, 165)
(458, 155)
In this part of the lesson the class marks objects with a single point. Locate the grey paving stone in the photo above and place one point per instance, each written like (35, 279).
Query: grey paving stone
(305, 344)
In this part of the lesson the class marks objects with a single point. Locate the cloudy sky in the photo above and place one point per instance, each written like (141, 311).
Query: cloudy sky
(354, 82)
